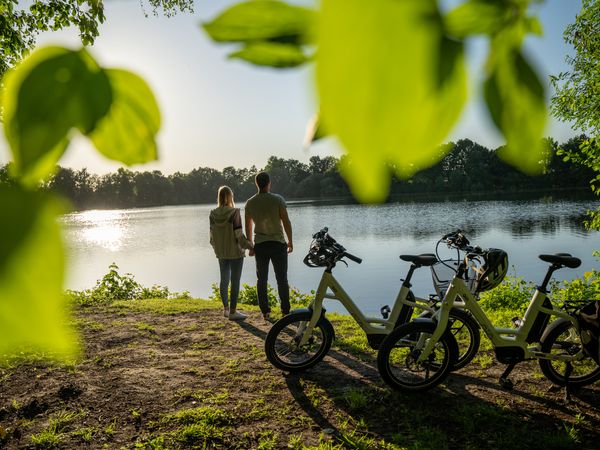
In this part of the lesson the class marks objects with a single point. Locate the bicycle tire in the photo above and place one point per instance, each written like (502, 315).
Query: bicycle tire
(459, 321)
(399, 368)
(281, 342)
(585, 371)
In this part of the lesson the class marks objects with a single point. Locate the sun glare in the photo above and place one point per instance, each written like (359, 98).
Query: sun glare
(105, 229)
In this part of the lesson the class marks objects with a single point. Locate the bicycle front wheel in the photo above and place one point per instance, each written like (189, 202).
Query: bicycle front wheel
(282, 343)
(399, 352)
(562, 339)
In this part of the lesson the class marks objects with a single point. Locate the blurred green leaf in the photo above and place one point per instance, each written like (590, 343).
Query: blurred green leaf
(516, 101)
(273, 54)
(262, 20)
(127, 133)
(389, 89)
(477, 17)
(48, 94)
(33, 310)
(314, 130)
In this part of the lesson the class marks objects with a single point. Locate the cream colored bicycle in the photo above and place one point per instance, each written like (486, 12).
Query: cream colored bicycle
(302, 338)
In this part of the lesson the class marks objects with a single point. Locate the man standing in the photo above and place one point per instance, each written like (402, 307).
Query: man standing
(266, 213)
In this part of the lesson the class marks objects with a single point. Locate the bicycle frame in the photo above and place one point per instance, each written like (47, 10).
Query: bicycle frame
(370, 325)
(500, 337)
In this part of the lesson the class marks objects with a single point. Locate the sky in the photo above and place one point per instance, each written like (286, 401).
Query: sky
(218, 112)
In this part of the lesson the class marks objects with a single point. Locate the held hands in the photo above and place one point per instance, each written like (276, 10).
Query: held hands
(251, 252)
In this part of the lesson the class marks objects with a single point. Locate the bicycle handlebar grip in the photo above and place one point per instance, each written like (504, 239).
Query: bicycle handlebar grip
(356, 259)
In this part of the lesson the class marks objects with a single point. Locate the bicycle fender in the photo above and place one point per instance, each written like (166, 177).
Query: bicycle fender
(558, 322)
(309, 312)
(424, 320)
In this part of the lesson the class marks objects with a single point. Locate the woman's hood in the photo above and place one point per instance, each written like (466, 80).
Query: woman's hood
(221, 216)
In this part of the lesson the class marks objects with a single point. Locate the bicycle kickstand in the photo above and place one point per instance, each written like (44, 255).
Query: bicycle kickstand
(568, 371)
(504, 381)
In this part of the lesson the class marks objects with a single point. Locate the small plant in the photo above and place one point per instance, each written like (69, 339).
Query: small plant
(86, 434)
(267, 440)
(355, 399)
(48, 438)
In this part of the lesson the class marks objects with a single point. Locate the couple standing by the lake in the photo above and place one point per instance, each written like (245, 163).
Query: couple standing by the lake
(265, 215)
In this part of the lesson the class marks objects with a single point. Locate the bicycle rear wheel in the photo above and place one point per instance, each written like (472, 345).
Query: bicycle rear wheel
(282, 342)
(563, 339)
(465, 330)
(400, 350)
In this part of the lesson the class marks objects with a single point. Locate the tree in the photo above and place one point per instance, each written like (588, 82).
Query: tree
(577, 97)
(19, 26)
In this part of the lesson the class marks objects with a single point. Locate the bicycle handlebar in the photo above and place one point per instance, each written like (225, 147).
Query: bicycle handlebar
(356, 259)
(323, 238)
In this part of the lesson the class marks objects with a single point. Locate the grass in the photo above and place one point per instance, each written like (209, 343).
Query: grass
(330, 407)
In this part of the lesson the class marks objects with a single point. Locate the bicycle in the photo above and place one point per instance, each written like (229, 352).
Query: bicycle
(418, 355)
(302, 338)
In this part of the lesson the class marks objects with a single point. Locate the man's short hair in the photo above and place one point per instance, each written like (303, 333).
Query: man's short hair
(262, 180)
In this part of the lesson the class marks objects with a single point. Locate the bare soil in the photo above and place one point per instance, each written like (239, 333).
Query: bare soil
(194, 379)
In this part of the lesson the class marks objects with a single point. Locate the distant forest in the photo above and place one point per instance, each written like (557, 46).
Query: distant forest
(467, 168)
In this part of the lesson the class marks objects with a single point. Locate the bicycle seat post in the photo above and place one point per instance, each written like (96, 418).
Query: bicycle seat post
(544, 286)
(411, 270)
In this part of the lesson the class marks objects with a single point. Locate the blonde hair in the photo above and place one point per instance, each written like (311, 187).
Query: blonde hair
(225, 197)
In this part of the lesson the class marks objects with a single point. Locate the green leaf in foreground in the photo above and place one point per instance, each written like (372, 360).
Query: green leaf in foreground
(273, 54)
(391, 87)
(516, 101)
(51, 92)
(261, 20)
(127, 133)
(477, 17)
(33, 310)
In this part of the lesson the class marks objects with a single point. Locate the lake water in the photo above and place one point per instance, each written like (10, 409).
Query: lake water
(169, 245)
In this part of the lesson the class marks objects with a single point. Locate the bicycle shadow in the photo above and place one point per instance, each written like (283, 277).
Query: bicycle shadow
(463, 401)
(466, 398)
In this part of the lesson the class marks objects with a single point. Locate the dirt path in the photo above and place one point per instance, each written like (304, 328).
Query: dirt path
(194, 379)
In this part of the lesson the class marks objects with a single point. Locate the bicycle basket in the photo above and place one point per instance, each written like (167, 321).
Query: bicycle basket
(492, 271)
(442, 273)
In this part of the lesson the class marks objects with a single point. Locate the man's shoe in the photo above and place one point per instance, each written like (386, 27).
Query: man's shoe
(267, 317)
(237, 316)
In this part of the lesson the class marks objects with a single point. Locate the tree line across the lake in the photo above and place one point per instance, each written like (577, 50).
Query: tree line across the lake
(467, 168)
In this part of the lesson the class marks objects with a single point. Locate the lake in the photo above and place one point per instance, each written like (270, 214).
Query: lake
(169, 245)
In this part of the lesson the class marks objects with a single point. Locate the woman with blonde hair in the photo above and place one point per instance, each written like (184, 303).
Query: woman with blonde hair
(228, 242)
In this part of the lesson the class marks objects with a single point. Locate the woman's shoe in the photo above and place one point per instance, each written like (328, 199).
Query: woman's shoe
(237, 316)
(225, 312)
(267, 317)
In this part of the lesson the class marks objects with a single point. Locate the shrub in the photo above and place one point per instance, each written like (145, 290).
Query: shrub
(114, 286)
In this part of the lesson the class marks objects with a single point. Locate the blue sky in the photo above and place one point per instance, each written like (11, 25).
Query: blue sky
(218, 112)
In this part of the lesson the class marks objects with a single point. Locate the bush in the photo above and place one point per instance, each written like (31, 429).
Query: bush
(579, 289)
(114, 286)
(512, 294)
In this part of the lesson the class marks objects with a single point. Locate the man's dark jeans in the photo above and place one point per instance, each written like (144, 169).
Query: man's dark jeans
(277, 253)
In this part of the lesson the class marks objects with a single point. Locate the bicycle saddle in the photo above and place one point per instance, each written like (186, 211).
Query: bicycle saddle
(564, 259)
(426, 259)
